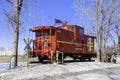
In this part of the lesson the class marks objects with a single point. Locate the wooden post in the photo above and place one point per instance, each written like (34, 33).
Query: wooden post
(61, 55)
(27, 58)
(27, 49)
(57, 57)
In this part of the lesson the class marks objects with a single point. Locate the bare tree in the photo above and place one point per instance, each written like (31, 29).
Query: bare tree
(1, 50)
(118, 44)
(16, 20)
(116, 28)
(100, 14)
(17, 8)
(15, 24)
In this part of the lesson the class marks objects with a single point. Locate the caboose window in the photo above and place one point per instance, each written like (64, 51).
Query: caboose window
(43, 33)
(72, 29)
(38, 34)
(46, 34)
(79, 31)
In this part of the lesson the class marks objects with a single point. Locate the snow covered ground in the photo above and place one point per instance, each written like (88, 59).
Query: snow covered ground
(5, 66)
(66, 71)
(52, 71)
(118, 59)
(103, 74)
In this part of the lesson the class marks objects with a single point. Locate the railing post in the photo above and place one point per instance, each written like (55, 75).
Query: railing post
(51, 53)
(62, 57)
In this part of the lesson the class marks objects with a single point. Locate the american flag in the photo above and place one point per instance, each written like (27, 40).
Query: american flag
(57, 21)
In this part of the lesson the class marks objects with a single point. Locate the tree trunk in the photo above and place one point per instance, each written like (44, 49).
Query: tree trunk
(15, 36)
(119, 42)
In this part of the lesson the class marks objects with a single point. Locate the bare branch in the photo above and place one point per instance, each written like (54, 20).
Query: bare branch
(20, 5)
(10, 2)
(10, 20)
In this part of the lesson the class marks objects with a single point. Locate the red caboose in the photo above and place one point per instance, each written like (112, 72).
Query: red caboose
(55, 43)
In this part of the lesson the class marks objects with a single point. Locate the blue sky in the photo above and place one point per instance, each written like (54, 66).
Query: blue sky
(35, 13)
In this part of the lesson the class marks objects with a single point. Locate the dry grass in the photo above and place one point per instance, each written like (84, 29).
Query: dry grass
(23, 59)
(20, 59)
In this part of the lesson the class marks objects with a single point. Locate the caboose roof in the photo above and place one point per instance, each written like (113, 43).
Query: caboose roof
(40, 28)
(90, 36)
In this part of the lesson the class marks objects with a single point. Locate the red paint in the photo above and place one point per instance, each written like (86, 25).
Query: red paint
(69, 39)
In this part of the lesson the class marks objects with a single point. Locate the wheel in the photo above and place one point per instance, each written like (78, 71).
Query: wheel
(74, 59)
(80, 59)
(89, 59)
(60, 57)
(40, 58)
(65, 56)
(83, 59)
